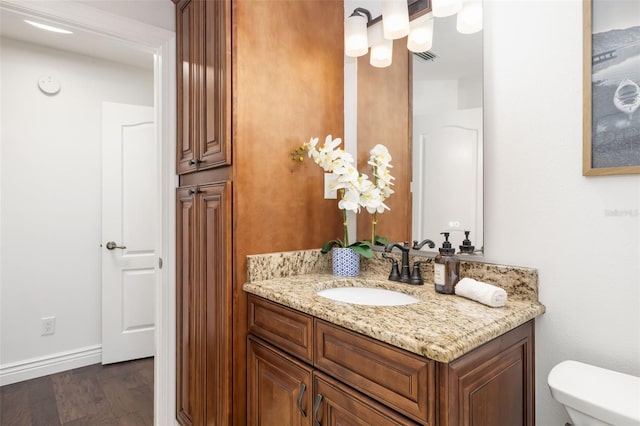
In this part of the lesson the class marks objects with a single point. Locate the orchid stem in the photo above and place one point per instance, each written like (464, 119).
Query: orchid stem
(344, 222)
(374, 222)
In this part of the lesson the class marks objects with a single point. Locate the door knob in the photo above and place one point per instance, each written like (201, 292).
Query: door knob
(112, 245)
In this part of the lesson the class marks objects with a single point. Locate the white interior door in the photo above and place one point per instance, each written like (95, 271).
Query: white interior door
(129, 218)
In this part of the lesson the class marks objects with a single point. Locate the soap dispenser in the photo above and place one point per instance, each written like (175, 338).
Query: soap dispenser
(466, 247)
(446, 267)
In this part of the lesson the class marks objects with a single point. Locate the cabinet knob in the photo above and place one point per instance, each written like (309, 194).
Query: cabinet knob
(194, 161)
(316, 407)
(194, 191)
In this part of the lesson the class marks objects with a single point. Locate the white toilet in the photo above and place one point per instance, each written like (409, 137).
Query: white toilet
(595, 396)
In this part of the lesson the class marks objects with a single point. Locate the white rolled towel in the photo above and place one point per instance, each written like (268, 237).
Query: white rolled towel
(484, 293)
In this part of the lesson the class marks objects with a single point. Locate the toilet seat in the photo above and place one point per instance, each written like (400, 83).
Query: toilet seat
(607, 395)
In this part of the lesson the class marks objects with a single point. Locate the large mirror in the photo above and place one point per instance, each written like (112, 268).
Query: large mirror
(430, 115)
(447, 139)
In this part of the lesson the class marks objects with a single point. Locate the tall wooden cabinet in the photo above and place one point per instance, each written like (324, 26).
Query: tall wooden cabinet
(255, 79)
(204, 291)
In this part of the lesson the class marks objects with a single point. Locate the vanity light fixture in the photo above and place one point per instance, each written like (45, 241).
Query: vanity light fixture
(381, 48)
(395, 19)
(361, 31)
(356, 42)
(48, 27)
(421, 34)
(381, 53)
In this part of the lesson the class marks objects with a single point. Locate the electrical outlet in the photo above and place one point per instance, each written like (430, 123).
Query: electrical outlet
(329, 194)
(48, 326)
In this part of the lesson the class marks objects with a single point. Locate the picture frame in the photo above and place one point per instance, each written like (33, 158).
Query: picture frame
(611, 89)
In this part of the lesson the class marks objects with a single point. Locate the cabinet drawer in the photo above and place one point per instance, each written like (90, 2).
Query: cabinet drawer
(283, 327)
(400, 380)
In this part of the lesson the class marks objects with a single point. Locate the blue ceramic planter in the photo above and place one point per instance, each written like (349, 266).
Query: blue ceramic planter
(345, 262)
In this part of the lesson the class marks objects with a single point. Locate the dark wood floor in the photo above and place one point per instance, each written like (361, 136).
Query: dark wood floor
(117, 394)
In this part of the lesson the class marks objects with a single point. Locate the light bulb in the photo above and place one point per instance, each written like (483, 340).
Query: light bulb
(395, 19)
(469, 19)
(442, 8)
(421, 34)
(381, 54)
(355, 36)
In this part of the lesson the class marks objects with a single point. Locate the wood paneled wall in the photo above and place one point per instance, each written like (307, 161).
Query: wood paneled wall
(287, 87)
(384, 117)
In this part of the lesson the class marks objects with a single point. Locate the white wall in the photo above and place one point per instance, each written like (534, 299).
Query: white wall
(539, 209)
(159, 13)
(50, 185)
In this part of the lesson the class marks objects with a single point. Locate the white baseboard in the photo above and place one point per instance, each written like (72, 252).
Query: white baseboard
(49, 364)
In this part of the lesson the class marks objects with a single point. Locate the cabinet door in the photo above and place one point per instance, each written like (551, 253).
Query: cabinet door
(203, 287)
(215, 147)
(214, 271)
(204, 84)
(189, 377)
(492, 385)
(336, 404)
(278, 387)
(189, 76)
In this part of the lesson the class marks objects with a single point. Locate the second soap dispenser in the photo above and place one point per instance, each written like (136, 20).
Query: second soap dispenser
(446, 267)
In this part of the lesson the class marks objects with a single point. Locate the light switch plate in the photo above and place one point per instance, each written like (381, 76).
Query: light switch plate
(329, 194)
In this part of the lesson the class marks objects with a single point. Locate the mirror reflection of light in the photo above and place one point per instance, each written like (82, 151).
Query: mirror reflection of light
(421, 35)
(48, 27)
(442, 8)
(469, 19)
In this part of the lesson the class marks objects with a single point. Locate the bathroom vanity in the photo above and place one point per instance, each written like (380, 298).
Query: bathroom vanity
(442, 361)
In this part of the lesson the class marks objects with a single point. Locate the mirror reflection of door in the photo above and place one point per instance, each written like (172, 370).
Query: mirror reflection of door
(448, 151)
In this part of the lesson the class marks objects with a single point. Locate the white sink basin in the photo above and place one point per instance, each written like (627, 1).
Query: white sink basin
(368, 296)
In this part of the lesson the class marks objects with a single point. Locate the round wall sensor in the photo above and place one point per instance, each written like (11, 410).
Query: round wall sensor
(49, 85)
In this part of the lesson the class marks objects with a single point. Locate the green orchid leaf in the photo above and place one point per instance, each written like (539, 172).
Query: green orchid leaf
(326, 248)
(381, 241)
(362, 249)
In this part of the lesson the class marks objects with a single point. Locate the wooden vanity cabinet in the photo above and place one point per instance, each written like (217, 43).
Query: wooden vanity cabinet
(203, 52)
(203, 294)
(360, 381)
(491, 385)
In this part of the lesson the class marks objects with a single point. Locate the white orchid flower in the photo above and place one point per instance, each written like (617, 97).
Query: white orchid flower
(355, 189)
(371, 197)
(350, 200)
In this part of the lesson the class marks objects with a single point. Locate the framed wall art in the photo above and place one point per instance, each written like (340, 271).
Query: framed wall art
(611, 82)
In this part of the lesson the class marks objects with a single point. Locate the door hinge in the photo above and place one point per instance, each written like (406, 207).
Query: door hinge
(159, 263)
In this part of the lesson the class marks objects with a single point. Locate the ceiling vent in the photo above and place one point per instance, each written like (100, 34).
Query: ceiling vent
(427, 56)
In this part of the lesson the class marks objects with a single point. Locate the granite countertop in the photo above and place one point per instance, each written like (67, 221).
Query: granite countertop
(439, 327)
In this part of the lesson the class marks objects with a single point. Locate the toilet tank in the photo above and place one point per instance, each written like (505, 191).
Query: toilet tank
(606, 395)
